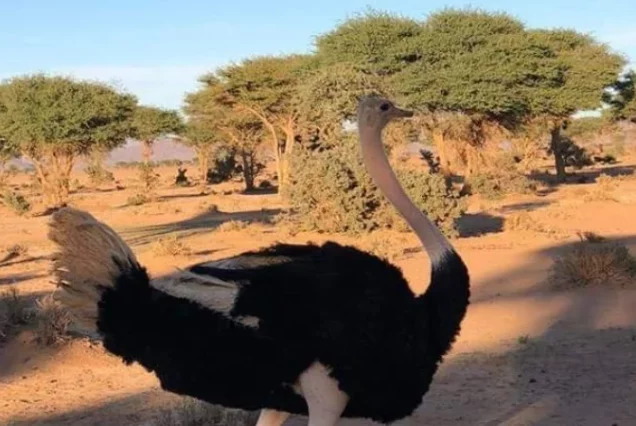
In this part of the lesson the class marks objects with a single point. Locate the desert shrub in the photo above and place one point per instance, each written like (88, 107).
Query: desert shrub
(604, 189)
(16, 202)
(330, 191)
(232, 226)
(500, 179)
(16, 250)
(495, 184)
(14, 312)
(53, 320)
(593, 262)
(190, 412)
(149, 179)
(224, 166)
(98, 175)
(574, 155)
(137, 200)
(171, 246)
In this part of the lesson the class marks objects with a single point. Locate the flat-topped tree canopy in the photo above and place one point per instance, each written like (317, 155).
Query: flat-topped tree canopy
(376, 42)
(40, 112)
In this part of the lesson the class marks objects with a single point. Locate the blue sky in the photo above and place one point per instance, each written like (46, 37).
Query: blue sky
(157, 48)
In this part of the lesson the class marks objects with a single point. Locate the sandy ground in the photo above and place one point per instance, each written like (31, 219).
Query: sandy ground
(527, 355)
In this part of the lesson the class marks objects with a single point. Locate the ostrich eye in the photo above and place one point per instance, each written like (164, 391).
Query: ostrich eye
(384, 107)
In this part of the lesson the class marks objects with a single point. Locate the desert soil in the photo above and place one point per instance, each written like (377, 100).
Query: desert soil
(527, 354)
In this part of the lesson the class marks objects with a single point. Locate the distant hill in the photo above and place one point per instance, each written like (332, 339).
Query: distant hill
(130, 152)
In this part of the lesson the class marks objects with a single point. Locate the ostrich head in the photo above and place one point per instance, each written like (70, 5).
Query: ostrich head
(376, 112)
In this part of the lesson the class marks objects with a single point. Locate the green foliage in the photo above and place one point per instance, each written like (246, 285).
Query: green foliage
(500, 180)
(622, 98)
(330, 191)
(224, 166)
(150, 123)
(15, 202)
(330, 96)
(581, 68)
(574, 155)
(374, 41)
(39, 113)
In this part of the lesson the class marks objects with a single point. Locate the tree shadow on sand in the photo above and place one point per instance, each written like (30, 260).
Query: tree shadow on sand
(203, 223)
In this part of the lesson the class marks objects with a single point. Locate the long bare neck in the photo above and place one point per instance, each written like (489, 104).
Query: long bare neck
(377, 164)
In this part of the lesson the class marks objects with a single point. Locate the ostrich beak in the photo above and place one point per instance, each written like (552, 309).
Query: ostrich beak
(401, 113)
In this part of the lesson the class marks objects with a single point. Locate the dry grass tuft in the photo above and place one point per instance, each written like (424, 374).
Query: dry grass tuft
(604, 189)
(14, 312)
(523, 221)
(592, 262)
(53, 321)
(13, 251)
(191, 412)
(171, 246)
(232, 226)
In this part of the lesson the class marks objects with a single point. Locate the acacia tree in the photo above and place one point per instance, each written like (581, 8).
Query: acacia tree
(266, 88)
(216, 120)
(622, 98)
(7, 152)
(468, 80)
(53, 120)
(150, 123)
(204, 138)
(580, 70)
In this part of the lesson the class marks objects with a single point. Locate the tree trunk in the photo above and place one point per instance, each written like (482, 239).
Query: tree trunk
(146, 151)
(555, 146)
(203, 156)
(54, 174)
(440, 144)
(248, 169)
(290, 140)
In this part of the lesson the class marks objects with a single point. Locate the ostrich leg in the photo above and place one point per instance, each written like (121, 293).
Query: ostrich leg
(272, 418)
(325, 400)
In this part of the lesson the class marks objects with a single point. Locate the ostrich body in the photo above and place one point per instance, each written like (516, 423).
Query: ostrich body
(324, 330)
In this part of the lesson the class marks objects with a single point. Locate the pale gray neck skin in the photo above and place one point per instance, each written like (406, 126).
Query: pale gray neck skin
(435, 243)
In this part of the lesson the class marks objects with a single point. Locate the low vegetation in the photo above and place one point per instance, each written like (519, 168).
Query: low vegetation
(15, 311)
(593, 262)
(15, 202)
(52, 321)
(171, 246)
(191, 412)
(330, 191)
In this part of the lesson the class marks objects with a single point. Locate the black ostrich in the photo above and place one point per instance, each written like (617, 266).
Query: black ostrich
(329, 331)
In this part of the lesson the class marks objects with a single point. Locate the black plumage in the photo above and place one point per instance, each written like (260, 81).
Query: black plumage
(343, 307)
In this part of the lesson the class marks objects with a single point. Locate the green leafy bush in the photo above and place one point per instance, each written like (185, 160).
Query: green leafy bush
(330, 191)
(98, 175)
(503, 178)
(16, 202)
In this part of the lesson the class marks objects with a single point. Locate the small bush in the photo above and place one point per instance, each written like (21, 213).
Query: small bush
(14, 312)
(232, 226)
(170, 246)
(98, 175)
(52, 321)
(148, 178)
(137, 200)
(16, 202)
(604, 189)
(501, 179)
(224, 167)
(191, 412)
(16, 250)
(591, 263)
(330, 191)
